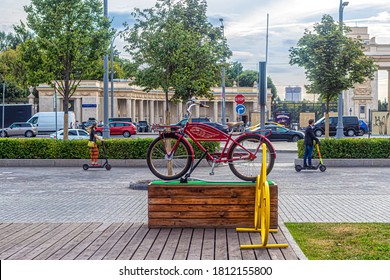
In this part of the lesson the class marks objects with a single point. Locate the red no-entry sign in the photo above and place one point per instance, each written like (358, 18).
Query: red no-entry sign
(240, 99)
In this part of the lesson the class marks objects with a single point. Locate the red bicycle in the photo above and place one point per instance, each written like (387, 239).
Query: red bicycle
(170, 156)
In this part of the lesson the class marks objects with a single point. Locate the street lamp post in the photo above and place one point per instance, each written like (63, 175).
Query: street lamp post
(106, 130)
(3, 111)
(223, 79)
(340, 127)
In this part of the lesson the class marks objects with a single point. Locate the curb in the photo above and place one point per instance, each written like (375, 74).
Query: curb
(350, 162)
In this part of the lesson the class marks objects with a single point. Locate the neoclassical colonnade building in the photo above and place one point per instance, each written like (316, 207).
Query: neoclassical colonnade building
(131, 101)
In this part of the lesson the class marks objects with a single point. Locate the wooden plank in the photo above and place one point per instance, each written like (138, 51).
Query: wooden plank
(213, 191)
(117, 249)
(288, 252)
(158, 246)
(184, 207)
(208, 244)
(134, 243)
(80, 247)
(275, 253)
(4, 225)
(45, 242)
(247, 254)
(57, 246)
(195, 250)
(75, 239)
(100, 253)
(200, 215)
(146, 244)
(17, 234)
(98, 242)
(19, 243)
(183, 245)
(11, 230)
(221, 247)
(171, 245)
(233, 244)
(201, 200)
(261, 254)
(200, 223)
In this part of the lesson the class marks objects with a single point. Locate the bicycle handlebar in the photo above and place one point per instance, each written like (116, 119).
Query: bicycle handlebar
(192, 102)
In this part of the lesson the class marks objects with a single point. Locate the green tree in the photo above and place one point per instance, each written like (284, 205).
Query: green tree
(70, 38)
(332, 61)
(248, 77)
(233, 72)
(175, 48)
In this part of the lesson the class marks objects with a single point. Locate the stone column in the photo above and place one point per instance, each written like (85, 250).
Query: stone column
(197, 110)
(77, 107)
(128, 108)
(234, 112)
(388, 90)
(31, 98)
(134, 109)
(151, 119)
(141, 110)
(215, 111)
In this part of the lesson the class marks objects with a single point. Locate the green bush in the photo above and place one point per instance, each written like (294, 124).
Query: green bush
(350, 148)
(43, 148)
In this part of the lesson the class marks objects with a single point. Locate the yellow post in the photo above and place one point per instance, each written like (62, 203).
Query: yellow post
(262, 209)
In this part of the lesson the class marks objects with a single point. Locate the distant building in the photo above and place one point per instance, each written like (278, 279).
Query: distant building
(294, 94)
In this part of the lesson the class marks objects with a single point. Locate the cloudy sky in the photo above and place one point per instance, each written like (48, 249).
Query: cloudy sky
(245, 27)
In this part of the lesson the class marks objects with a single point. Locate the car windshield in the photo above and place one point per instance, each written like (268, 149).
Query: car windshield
(320, 120)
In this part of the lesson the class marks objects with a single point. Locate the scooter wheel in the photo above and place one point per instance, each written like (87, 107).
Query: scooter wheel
(85, 166)
(108, 167)
(322, 168)
(298, 168)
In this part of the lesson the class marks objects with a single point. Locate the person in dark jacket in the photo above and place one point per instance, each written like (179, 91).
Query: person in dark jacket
(308, 142)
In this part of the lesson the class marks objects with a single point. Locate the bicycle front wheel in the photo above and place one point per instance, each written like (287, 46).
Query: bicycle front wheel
(239, 162)
(165, 166)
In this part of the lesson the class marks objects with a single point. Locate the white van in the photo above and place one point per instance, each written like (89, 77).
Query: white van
(46, 121)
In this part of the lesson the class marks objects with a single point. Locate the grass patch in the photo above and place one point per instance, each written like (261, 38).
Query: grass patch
(342, 241)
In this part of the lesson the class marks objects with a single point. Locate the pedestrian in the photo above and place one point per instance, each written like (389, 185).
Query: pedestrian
(308, 142)
(93, 148)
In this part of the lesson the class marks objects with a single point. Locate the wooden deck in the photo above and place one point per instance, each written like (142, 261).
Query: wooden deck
(134, 241)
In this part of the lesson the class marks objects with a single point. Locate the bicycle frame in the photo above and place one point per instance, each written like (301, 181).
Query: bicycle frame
(203, 132)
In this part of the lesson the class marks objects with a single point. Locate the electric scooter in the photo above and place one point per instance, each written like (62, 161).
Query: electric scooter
(320, 165)
(105, 165)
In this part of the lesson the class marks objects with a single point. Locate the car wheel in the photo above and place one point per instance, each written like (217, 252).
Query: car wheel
(350, 132)
(126, 134)
(361, 132)
(318, 132)
(28, 133)
(295, 138)
(98, 133)
(3, 134)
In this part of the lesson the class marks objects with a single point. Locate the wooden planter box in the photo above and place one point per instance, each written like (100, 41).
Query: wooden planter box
(205, 204)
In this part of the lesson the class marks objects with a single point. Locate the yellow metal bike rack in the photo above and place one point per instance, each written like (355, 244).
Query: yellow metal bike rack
(262, 209)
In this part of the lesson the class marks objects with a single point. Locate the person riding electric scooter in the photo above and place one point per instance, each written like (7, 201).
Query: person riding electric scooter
(308, 142)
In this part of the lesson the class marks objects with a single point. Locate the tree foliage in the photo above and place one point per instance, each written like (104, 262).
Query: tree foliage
(233, 72)
(70, 38)
(332, 61)
(175, 48)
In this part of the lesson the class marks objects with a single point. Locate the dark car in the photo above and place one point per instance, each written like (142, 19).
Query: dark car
(279, 133)
(350, 124)
(363, 128)
(221, 127)
(142, 126)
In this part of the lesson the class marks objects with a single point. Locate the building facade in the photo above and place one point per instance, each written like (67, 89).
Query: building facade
(130, 101)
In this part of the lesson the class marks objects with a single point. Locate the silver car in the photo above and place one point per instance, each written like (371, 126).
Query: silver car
(72, 134)
(19, 129)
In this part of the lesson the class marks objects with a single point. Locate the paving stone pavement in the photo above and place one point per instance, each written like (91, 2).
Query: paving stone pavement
(72, 195)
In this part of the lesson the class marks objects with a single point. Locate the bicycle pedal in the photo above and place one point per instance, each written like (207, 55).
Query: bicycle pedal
(211, 173)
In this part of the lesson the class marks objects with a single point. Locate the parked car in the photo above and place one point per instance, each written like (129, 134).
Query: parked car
(20, 129)
(223, 128)
(350, 124)
(73, 134)
(120, 119)
(119, 128)
(363, 129)
(142, 126)
(251, 128)
(279, 133)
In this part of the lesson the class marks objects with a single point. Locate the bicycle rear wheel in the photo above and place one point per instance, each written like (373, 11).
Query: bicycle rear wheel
(174, 166)
(248, 170)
